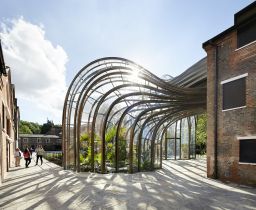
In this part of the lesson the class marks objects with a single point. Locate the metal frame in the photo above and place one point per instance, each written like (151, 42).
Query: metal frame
(117, 92)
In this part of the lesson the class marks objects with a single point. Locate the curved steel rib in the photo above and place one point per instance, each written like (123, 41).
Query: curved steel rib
(117, 93)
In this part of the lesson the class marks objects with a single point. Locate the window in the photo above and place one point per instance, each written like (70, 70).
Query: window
(38, 140)
(47, 140)
(247, 150)
(234, 92)
(8, 126)
(246, 33)
(25, 140)
(3, 116)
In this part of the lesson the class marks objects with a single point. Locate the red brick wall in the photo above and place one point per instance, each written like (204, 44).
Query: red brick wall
(231, 124)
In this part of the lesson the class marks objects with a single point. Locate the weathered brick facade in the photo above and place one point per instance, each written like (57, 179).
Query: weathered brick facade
(229, 61)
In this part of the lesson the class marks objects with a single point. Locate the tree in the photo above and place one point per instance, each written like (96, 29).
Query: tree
(26, 127)
(47, 127)
(201, 135)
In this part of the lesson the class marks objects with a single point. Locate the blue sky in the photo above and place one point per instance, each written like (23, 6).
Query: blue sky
(164, 36)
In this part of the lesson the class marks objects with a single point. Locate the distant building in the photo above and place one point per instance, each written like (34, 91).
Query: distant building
(9, 119)
(49, 142)
(55, 130)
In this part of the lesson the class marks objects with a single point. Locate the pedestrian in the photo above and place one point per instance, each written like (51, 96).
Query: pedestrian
(17, 156)
(27, 158)
(31, 150)
(39, 154)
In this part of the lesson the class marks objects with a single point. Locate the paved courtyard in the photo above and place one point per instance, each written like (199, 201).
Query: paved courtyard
(179, 185)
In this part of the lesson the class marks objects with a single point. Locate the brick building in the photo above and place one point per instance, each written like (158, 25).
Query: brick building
(231, 100)
(49, 142)
(9, 118)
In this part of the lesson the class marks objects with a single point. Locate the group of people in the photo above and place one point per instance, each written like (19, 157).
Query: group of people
(27, 154)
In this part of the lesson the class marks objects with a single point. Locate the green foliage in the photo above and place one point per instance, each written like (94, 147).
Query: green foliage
(82, 158)
(201, 135)
(85, 148)
(110, 152)
(184, 151)
(54, 157)
(97, 158)
(26, 127)
(122, 151)
(110, 142)
(109, 136)
(110, 149)
(85, 139)
(146, 165)
(47, 127)
(85, 155)
(122, 148)
(88, 157)
(145, 159)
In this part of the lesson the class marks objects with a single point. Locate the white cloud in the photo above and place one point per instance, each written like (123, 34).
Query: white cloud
(38, 67)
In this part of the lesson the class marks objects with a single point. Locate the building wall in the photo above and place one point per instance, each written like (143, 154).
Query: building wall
(231, 62)
(7, 138)
(54, 144)
(9, 119)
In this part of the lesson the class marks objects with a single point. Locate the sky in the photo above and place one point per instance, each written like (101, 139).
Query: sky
(45, 43)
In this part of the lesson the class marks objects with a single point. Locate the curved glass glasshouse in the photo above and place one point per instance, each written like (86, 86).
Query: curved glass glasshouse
(118, 116)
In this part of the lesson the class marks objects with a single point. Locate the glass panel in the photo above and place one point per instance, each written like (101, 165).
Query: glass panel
(171, 131)
(184, 139)
(178, 129)
(122, 151)
(145, 155)
(157, 155)
(193, 138)
(178, 149)
(170, 148)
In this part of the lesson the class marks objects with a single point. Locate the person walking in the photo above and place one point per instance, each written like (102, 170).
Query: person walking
(17, 156)
(27, 158)
(39, 154)
(31, 150)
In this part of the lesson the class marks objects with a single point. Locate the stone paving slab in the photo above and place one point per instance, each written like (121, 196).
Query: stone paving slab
(179, 185)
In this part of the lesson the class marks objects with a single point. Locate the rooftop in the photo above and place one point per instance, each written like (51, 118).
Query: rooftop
(38, 136)
(244, 15)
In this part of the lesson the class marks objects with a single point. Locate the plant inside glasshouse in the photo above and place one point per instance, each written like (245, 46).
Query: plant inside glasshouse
(145, 159)
(111, 144)
(86, 151)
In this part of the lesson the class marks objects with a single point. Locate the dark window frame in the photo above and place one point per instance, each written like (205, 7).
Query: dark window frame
(247, 146)
(234, 93)
(246, 33)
